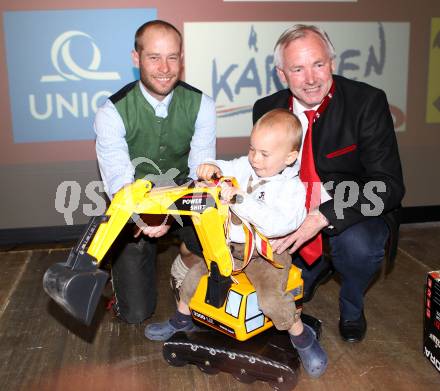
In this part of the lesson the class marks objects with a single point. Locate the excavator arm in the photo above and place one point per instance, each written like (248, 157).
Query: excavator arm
(77, 284)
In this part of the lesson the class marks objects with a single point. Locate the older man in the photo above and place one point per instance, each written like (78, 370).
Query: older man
(350, 165)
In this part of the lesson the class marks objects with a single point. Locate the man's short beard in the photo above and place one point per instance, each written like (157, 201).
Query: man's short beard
(152, 89)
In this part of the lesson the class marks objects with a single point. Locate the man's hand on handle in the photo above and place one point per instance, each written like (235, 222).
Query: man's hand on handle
(208, 171)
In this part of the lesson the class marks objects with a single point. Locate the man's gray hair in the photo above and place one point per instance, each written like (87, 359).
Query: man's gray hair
(300, 31)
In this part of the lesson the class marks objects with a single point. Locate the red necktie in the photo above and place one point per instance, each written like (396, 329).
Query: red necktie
(311, 250)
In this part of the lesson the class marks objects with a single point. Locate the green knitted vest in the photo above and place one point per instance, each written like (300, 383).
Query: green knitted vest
(163, 141)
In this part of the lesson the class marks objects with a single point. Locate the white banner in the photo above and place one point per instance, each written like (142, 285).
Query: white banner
(233, 63)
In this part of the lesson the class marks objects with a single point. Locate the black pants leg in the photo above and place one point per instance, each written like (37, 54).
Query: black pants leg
(134, 277)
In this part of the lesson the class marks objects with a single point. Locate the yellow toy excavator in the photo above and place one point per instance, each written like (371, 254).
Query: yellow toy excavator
(223, 301)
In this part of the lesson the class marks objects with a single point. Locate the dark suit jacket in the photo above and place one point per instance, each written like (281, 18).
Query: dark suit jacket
(353, 140)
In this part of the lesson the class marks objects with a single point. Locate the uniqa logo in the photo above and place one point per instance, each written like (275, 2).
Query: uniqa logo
(78, 103)
(61, 50)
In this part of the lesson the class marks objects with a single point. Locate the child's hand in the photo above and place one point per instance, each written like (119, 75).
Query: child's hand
(208, 171)
(228, 192)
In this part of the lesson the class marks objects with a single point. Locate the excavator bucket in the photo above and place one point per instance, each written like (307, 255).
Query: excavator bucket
(76, 291)
(77, 284)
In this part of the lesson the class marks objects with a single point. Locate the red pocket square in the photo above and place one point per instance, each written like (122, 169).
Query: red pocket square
(341, 151)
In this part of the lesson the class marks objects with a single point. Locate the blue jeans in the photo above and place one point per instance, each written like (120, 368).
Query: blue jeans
(357, 254)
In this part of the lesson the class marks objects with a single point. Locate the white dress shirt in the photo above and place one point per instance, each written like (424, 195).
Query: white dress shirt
(112, 149)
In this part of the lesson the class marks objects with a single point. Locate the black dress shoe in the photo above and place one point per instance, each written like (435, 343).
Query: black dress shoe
(325, 275)
(353, 330)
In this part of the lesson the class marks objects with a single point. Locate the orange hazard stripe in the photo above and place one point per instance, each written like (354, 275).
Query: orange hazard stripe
(263, 248)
